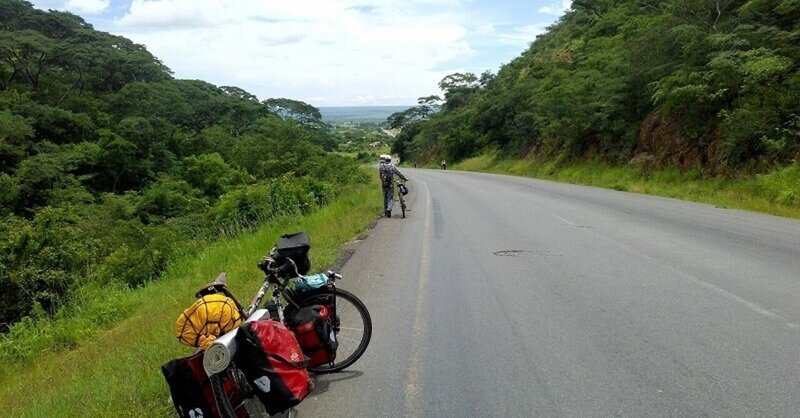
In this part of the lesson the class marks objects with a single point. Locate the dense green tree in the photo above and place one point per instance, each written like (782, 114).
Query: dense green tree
(14, 134)
(110, 167)
(211, 174)
(694, 83)
(295, 110)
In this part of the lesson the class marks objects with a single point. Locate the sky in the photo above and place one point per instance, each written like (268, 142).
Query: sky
(325, 52)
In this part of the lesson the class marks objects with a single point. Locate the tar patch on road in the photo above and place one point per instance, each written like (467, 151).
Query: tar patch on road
(522, 253)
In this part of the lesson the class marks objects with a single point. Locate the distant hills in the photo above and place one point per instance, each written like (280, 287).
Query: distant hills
(359, 114)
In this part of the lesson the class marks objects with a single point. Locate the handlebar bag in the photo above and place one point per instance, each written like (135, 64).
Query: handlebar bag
(314, 330)
(191, 390)
(269, 356)
(295, 246)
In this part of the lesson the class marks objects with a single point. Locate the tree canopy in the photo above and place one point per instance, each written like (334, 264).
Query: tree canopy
(109, 166)
(689, 83)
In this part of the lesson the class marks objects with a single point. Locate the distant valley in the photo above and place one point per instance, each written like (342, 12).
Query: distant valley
(358, 114)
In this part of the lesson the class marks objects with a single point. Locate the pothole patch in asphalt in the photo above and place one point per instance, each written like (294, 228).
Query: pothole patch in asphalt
(522, 253)
(343, 258)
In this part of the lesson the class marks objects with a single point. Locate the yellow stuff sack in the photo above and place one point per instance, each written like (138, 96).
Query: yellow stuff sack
(208, 318)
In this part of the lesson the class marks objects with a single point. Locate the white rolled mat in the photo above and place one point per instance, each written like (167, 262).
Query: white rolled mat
(220, 354)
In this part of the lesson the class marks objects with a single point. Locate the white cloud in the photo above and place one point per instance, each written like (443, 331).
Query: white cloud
(484, 29)
(344, 52)
(555, 8)
(87, 6)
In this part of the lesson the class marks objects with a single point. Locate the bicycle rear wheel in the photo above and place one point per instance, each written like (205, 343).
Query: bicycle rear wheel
(352, 325)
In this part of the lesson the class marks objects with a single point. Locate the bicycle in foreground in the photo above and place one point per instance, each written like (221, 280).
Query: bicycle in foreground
(282, 294)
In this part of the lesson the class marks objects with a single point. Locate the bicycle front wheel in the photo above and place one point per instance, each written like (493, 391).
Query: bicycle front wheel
(352, 325)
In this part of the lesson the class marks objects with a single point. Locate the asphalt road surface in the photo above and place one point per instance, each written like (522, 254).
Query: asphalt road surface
(503, 296)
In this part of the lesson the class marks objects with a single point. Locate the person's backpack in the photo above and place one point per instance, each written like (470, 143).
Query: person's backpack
(386, 177)
(270, 358)
(314, 330)
(191, 391)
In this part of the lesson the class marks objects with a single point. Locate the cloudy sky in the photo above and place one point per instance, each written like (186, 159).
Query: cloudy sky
(325, 52)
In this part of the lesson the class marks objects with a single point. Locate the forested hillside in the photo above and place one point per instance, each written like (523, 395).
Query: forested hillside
(695, 84)
(110, 167)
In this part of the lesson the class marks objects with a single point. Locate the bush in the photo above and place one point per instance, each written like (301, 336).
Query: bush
(211, 174)
(169, 198)
(250, 205)
(143, 255)
(782, 185)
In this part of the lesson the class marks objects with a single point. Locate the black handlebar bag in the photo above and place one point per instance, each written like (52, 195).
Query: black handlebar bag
(295, 247)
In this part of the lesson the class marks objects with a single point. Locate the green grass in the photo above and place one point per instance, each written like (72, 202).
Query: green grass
(776, 193)
(116, 371)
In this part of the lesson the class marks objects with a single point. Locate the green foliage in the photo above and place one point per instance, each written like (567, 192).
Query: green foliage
(705, 83)
(295, 110)
(37, 378)
(110, 168)
(782, 185)
(776, 192)
(253, 204)
(14, 132)
(169, 198)
(211, 174)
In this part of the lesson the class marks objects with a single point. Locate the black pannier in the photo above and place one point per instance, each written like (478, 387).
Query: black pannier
(295, 247)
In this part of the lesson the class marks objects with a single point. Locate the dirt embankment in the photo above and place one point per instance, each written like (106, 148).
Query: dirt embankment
(663, 142)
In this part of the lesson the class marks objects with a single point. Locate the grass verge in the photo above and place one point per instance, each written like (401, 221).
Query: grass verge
(776, 193)
(117, 372)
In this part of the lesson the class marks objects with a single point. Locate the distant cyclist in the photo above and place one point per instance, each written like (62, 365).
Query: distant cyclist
(387, 170)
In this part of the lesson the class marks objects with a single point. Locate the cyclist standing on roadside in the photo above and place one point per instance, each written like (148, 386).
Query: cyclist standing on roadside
(386, 171)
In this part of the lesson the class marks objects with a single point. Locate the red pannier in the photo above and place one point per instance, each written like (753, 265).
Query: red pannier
(314, 331)
(191, 389)
(268, 354)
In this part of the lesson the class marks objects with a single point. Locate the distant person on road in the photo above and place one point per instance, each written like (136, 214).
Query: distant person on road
(386, 171)
(444, 165)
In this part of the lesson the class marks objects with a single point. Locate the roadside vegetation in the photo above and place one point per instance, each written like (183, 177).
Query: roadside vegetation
(774, 193)
(111, 170)
(116, 372)
(701, 93)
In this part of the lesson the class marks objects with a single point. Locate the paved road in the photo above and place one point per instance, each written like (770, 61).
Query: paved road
(502, 296)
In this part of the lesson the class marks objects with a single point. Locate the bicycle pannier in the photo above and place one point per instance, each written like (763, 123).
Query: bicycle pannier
(314, 330)
(268, 354)
(191, 389)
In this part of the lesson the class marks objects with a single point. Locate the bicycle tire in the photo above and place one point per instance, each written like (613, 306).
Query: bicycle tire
(403, 207)
(321, 298)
